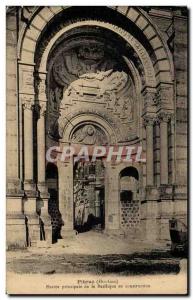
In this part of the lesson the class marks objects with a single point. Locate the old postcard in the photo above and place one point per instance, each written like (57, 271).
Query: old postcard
(97, 150)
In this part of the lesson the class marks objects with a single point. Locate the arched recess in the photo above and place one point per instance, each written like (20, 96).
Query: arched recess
(156, 47)
(80, 119)
(129, 199)
(64, 44)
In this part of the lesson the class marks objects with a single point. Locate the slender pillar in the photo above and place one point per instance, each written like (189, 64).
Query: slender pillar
(29, 186)
(112, 200)
(164, 118)
(45, 219)
(66, 205)
(28, 144)
(149, 121)
(41, 145)
(41, 134)
(97, 204)
(173, 149)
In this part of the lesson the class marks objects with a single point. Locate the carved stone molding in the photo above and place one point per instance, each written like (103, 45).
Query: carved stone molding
(64, 121)
(65, 31)
(26, 79)
(40, 86)
(165, 96)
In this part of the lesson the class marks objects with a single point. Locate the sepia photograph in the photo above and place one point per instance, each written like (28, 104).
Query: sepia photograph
(97, 150)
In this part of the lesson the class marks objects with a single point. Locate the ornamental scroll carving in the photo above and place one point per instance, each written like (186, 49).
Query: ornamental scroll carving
(113, 87)
(88, 72)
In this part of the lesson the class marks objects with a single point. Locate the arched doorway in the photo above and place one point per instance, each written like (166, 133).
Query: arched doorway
(89, 201)
(129, 199)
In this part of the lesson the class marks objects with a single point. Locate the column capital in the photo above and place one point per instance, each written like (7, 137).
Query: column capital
(164, 117)
(41, 108)
(149, 120)
(28, 106)
(27, 101)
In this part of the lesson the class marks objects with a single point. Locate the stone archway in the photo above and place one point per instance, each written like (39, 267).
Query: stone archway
(152, 102)
(129, 201)
(82, 184)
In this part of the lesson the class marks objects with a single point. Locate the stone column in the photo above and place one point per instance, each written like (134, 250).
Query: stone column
(149, 121)
(41, 159)
(27, 97)
(112, 200)
(41, 132)
(163, 119)
(28, 146)
(30, 208)
(41, 169)
(173, 149)
(66, 201)
(41, 146)
(149, 207)
(97, 204)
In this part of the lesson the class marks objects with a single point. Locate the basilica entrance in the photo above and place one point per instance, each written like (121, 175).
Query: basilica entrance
(89, 196)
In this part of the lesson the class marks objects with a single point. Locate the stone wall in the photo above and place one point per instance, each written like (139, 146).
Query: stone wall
(12, 104)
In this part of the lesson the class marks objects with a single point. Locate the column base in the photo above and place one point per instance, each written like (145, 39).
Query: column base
(46, 236)
(15, 222)
(16, 232)
(33, 229)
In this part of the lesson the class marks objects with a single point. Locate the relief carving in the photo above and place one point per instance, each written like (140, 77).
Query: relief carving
(89, 135)
(93, 75)
(115, 87)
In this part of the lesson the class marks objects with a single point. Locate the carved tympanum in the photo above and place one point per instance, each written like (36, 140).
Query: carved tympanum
(89, 134)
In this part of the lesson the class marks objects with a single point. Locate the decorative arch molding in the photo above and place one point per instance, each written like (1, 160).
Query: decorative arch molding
(138, 48)
(67, 128)
(144, 23)
(163, 65)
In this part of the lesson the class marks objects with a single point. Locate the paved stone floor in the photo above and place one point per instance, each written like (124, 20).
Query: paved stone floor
(93, 252)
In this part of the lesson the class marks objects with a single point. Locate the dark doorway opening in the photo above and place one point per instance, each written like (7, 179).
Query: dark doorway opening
(89, 196)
